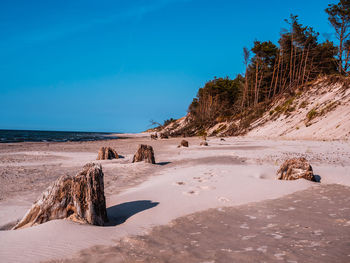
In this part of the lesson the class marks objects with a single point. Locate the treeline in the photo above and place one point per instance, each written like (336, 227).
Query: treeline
(273, 70)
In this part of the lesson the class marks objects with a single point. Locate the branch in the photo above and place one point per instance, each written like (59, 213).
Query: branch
(153, 123)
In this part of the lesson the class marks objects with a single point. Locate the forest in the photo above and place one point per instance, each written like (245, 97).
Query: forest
(273, 70)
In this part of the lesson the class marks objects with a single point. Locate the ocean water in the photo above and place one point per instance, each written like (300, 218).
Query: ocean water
(51, 136)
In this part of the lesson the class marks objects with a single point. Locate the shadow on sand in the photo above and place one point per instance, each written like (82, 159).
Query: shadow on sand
(317, 178)
(118, 214)
(163, 163)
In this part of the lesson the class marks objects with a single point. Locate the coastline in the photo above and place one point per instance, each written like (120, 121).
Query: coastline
(235, 172)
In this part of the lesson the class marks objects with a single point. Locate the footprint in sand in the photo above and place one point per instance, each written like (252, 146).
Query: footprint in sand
(247, 237)
(199, 179)
(270, 216)
(206, 187)
(280, 256)
(288, 209)
(263, 176)
(318, 232)
(191, 192)
(244, 226)
(223, 199)
(276, 236)
(262, 249)
(269, 226)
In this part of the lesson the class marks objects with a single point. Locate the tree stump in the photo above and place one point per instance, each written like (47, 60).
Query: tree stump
(144, 153)
(183, 143)
(294, 169)
(78, 198)
(154, 136)
(204, 143)
(107, 153)
(164, 136)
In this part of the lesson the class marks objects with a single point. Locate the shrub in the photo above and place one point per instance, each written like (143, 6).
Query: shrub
(303, 104)
(311, 114)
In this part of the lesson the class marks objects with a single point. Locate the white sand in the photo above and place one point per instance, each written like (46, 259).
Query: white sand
(333, 124)
(229, 173)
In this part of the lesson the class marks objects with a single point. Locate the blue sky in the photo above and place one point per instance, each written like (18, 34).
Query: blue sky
(88, 65)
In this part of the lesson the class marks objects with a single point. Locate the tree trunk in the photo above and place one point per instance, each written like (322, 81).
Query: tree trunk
(256, 81)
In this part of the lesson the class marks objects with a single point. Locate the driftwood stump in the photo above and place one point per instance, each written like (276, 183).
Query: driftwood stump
(294, 169)
(183, 143)
(164, 136)
(144, 153)
(204, 143)
(107, 153)
(79, 198)
(154, 136)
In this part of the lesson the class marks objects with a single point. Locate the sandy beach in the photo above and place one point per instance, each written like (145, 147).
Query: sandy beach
(219, 203)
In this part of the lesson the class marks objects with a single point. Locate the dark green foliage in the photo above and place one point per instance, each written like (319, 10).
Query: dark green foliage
(311, 114)
(167, 122)
(272, 72)
(218, 98)
(339, 17)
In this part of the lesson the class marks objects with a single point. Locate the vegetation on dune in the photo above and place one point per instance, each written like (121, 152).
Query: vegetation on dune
(219, 98)
(272, 71)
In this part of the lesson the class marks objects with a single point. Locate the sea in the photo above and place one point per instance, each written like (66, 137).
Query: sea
(9, 136)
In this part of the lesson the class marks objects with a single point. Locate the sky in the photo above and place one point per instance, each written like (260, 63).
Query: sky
(115, 65)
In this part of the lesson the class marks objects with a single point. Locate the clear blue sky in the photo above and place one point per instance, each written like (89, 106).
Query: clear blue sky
(114, 65)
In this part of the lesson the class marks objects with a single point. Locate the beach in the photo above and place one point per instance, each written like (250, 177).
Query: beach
(220, 203)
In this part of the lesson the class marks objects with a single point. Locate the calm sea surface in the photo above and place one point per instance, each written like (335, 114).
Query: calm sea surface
(51, 136)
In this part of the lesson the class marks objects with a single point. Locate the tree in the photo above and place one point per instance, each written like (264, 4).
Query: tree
(339, 17)
(263, 65)
(246, 56)
(218, 98)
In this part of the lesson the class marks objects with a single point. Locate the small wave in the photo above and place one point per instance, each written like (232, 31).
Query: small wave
(13, 136)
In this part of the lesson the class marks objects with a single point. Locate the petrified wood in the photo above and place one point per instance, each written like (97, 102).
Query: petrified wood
(79, 198)
(107, 153)
(144, 153)
(183, 143)
(164, 136)
(154, 136)
(294, 169)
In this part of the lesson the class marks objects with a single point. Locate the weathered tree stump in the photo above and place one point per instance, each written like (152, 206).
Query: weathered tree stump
(107, 153)
(164, 136)
(204, 143)
(294, 169)
(183, 143)
(154, 136)
(144, 153)
(78, 198)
